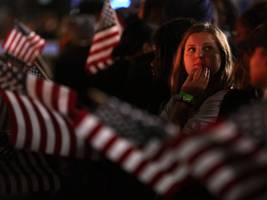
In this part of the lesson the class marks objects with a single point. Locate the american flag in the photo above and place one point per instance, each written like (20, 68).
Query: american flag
(163, 172)
(229, 164)
(37, 128)
(26, 172)
(135, 140)
(42, 113)
(55, 96)
(23, 45)
(107, 36)
(133, 123)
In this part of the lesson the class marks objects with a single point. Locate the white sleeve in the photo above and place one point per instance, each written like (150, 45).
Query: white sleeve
(206, 114)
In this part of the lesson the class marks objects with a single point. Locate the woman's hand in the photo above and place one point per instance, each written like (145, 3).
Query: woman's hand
(197, 81)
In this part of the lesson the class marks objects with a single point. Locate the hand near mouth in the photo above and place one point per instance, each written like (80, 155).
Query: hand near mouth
(197, 81)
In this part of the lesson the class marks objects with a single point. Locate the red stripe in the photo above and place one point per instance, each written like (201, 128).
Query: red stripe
(108, 35)
(125, 155)
(23, 48)
(100, 60)
(170, 168)
(38, 88)
(156, 155)
(94, 132)
(43, 131)
(109, 145)
(18, 46)
(112, 45)
(9, 49)
(140, 167)
(32, 50)
(55, 91)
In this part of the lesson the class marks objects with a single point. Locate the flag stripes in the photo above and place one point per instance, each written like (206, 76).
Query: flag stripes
(224, 160)
(23, 47)
(39, 129)
(54, 96)
(218, 158)
(154, 172)
(26, 172)
(105, 39)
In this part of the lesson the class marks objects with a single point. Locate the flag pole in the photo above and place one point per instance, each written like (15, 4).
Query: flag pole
(42, 67)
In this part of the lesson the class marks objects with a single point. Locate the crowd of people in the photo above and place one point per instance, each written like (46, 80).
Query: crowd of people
(191, 63)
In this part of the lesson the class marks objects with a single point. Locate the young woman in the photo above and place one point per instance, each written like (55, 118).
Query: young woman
(201, 76)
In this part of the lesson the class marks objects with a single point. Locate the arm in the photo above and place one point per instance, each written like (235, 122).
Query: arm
(177, 111)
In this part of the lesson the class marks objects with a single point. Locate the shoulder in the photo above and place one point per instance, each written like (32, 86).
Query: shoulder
(235, 98)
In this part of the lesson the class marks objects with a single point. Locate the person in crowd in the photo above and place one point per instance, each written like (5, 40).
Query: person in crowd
(165, 40)
(202, 11)
(158, 12)
(257, 48)
(121, 78)
(201, 77)
(74, 47)
(225, 15)
(245, 92)
(244, 26)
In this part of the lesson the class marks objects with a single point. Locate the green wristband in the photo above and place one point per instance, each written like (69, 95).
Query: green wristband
(187, 98)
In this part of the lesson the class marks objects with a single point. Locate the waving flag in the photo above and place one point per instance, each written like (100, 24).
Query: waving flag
(134, 140)
(27, 172)
(38, 128)
(163, 172)
(107, 36)
(56, 97)
(229, 164)
(25, 46)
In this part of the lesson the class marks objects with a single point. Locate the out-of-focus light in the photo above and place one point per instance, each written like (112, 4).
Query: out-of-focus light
(120, 3)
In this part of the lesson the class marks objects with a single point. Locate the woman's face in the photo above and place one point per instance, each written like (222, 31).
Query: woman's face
(201, 51)
(258, 68)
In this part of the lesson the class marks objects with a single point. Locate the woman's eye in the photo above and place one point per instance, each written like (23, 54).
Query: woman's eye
(191, 50)
(208, 48)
